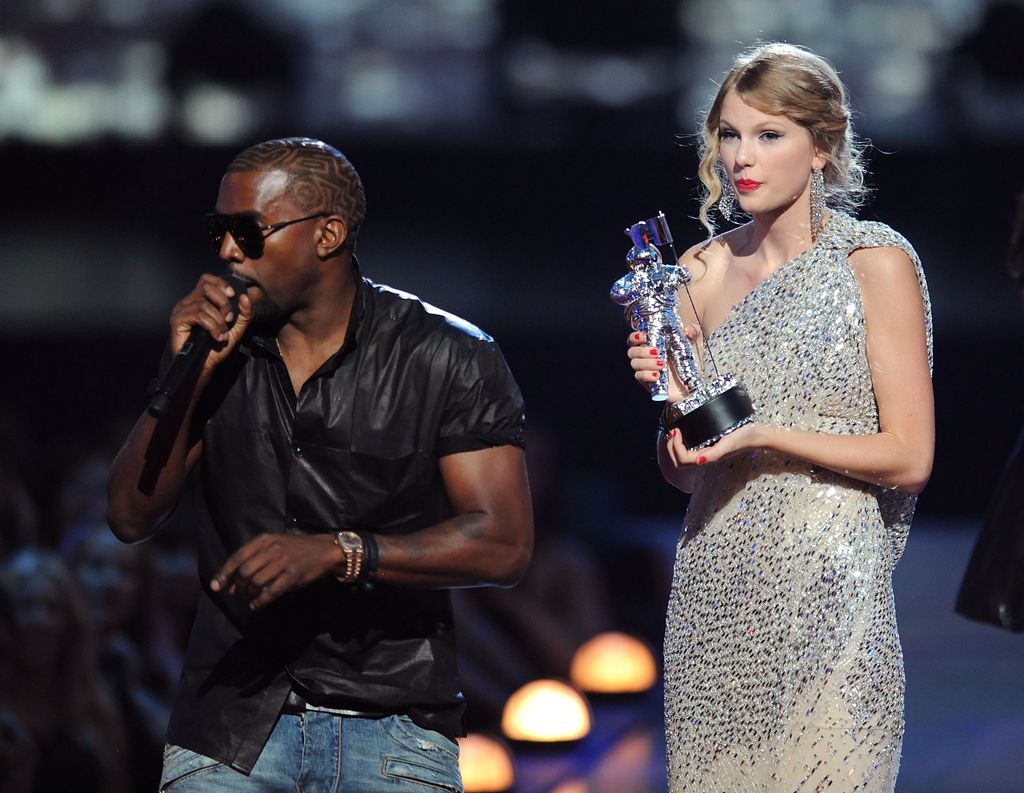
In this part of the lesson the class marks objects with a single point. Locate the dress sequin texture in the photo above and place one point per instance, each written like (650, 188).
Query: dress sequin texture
(783, 667)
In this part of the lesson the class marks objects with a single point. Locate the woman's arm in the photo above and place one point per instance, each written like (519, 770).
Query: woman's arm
(900, 454)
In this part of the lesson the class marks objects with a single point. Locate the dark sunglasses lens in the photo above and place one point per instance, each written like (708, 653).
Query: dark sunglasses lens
(244, 230)
(215, 229)
(247, 234)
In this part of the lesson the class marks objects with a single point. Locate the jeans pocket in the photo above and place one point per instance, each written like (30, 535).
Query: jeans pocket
(180, 764)
(410, 734)
(438, 778)
(421, 757)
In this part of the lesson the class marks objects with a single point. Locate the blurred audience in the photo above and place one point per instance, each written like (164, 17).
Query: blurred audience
(92, 631)
(507, 637)
(175, 590)
(82, 499)
(17, 755)
(18, 515)
(119, 590)
(55, 708)
(19, 459)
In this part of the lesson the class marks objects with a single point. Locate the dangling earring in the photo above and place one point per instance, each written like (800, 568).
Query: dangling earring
(817, 202)
(727, 201)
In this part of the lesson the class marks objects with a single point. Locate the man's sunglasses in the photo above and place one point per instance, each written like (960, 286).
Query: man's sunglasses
(245, 231)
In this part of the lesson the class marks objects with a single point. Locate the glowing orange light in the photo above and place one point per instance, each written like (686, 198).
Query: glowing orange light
(572, 786)
(486, 764)
(546, 711)
(613, 663)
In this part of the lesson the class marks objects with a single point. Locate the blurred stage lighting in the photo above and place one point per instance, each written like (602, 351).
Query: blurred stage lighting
(613, 663)
(572, 786)
(546, 711)
(485, 764)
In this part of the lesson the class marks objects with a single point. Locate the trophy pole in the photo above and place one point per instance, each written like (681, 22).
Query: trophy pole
(661, 236)
(712, 408)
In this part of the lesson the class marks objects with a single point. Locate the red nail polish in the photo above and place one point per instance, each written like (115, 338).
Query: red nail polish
(654, 351)
(660, 362)
(636, 337)
(701, 460)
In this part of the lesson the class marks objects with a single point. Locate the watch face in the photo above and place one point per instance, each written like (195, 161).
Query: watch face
(349, 540)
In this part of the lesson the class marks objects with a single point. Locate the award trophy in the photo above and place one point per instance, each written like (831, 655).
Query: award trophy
(711, 408)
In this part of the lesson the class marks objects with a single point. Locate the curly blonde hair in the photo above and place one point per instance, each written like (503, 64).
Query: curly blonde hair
(791, 81)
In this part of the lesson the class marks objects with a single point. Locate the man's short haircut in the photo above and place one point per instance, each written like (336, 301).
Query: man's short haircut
(321, 179)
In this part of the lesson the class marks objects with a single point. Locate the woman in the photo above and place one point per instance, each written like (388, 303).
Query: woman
(783, 668)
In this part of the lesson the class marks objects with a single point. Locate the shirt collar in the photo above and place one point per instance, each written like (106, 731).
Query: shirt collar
(360, 305)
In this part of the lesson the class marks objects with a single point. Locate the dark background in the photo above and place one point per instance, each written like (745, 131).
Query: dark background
(504, 147)
(499, 191)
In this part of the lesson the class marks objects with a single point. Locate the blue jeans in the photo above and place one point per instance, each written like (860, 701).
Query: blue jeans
(324, 753)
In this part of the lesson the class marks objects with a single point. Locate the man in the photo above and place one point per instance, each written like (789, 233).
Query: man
(350, 453)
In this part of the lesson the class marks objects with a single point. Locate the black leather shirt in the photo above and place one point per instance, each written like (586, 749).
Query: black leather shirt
(358, 448)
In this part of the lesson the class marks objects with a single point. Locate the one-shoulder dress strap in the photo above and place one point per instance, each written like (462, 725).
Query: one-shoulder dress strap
(846, 234)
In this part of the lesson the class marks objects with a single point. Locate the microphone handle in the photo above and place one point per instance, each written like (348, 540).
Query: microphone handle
(189, 359)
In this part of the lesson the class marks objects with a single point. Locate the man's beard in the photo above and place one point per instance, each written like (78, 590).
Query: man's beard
(267, 317)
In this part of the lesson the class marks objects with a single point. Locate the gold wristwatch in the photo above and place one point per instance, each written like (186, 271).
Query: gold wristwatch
(351, 545)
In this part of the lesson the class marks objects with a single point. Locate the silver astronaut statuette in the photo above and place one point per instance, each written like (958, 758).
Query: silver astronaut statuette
(711, 408)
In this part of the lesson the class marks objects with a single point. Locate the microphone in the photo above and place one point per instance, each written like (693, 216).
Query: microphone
(189, 358)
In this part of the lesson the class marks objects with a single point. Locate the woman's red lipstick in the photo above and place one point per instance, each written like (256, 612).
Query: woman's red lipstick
(746, 185)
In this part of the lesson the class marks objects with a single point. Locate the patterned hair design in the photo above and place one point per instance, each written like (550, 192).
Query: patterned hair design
(320, 178)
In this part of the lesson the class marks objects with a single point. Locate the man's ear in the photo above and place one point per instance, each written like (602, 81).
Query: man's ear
(333, 233)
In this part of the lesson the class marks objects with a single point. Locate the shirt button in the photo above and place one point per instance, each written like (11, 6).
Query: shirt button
(292, 520)
(297, 451)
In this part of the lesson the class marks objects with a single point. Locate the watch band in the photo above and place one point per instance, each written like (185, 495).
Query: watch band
(351, 545)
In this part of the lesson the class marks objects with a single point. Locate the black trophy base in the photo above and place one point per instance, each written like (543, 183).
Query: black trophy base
(718, 416)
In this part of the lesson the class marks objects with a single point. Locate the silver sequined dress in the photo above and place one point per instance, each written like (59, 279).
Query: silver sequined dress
(783, 667)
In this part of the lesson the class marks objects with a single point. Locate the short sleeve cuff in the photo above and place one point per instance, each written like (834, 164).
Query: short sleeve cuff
(472, 443)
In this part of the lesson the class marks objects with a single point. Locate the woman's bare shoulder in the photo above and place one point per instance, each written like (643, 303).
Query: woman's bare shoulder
(710, 254)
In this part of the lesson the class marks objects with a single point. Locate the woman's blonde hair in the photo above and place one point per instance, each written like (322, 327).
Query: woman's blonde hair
(791, 81)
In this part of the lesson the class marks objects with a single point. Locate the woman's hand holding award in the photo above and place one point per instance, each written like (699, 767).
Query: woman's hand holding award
(711, 408)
